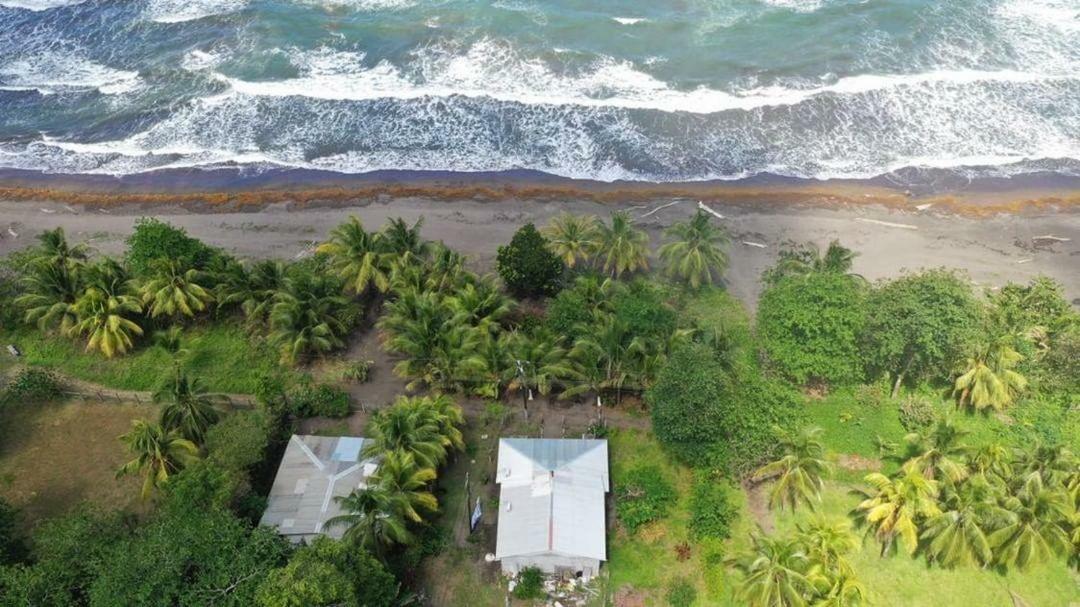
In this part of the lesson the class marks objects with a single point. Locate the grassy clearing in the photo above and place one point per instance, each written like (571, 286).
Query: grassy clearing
(55, 456)
(225, 357)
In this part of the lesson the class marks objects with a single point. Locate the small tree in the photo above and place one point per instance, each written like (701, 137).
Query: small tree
(527, 265)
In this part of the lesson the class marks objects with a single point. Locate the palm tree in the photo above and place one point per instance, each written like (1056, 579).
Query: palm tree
(188, 407)
(159, 453)
(897, 506)
(622, 247)
(55, 250)
(808, 259)
(253, 290)
(448, 417)
(478, 304)
(490, 364)
(776, 573)
(843, 591)
(695, 253)
(403, 242)
(410, 429)
(418, 326)
(799, 472)
(104, 310)
(992, 461)
(1053, 463)
(572, 238)
(1036, 527)
(447, 268)
(399, 474)
(543, 360)
(988, 380)
(940, 453)
(828, 541)
(357, 257)
(609, 345)
(374, 518)
(958, 535)
(50, 293)
(175, 291)
(308, 317)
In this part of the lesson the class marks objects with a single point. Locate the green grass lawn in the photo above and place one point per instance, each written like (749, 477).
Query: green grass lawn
(222, 355)
(642, 566)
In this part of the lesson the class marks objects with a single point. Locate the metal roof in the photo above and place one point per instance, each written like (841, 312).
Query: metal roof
(551, 498)
(313, 471)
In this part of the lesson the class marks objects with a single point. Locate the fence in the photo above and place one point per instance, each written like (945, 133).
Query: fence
(143, 398)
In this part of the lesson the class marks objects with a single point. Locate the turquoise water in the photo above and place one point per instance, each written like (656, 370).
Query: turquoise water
(661, 91)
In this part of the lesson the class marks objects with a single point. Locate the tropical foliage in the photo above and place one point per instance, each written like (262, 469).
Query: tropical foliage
(694, 252)
(158, 453)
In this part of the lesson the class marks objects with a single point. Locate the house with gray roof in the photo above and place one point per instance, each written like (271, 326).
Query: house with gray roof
(314, 471)
(552, 511)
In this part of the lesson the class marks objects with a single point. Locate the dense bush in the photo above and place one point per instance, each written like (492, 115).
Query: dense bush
(32, 385)
(681, 593)
(153, 240)
(567, 313)
(916, 413)
(643, 495)
(527, 266)
(238, 442)
(917, 326)
(530, 584)
(711, 512)
(810, 327)
(318, 400)
(708, 416)
(642, 308)
(329, 572)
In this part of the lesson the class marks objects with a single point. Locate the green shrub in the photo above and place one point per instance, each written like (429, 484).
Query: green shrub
(270, 392)
(32, 385)
(238, 442)
(916, 413)
(530, 584)
(357, 371)
(711, 512)
(643, 496)
(642, 308)
(319, 400)
(154, 239)
(567, 313)
(527, 266)
(681, 593)
(810, 327)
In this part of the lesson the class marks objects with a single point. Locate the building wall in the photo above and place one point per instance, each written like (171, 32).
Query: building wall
(552, 564)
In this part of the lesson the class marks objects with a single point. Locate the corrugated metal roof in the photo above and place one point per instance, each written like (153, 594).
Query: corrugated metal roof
(313, 471)
(551, 498)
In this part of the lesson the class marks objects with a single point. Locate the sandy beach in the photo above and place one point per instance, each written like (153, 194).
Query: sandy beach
(890, 232)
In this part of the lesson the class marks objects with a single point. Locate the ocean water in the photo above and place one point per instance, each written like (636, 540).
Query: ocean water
(678, 90)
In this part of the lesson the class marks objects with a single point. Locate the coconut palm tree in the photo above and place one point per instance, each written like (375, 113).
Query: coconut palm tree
(105, 308)
(446, 270)
(159, 453)
(374, 518)
(940, 453)
(843, 591)
(609, 345)
(448, 417)
(410, 428)
(56, 251)
(695, 251)
(1036, 527)
(358, 257)
(958, 535)
(622, 247)
(188, 407)
(175, 291)
(992, 461)
(897, 506)
(988, 380)
(49, 295)
(253, 290)
(573, 238)
(828, 541)
(478, 304)
(545, 363)
(799, 473)
(418, 325)
(809, 259)
(1054, 463)
(776, 573)
(308, 317)
(490, 364)
(399, 474)
(403, 242)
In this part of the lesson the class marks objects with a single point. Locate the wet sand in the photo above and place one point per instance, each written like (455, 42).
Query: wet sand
(890, 230)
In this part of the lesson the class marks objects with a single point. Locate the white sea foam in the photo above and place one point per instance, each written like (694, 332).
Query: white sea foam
(800, 6)
(628, 20)
(491, 69)
(38, 5)
(364, 5)
(178, 11)
(50, 72)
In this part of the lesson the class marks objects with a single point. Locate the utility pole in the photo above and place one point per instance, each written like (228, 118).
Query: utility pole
(524, 388)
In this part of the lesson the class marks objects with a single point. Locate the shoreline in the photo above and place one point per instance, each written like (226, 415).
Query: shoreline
(224, 190)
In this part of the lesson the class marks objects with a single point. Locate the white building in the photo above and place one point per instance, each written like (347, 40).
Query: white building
(551, 505)
(314, 471)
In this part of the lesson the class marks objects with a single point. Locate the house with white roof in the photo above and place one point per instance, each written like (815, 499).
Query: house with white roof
(552, 512)
(314, 471)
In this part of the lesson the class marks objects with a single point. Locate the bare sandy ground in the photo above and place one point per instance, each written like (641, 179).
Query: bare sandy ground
(993, 250)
